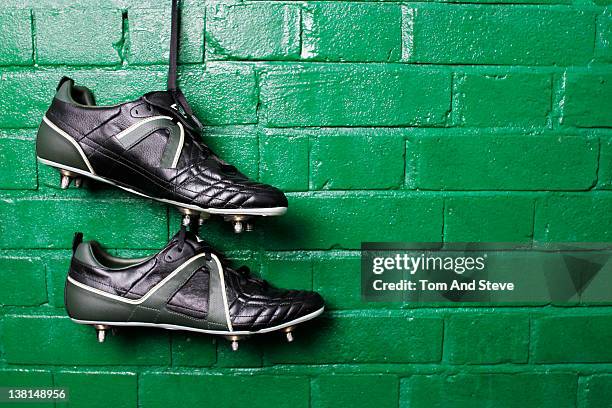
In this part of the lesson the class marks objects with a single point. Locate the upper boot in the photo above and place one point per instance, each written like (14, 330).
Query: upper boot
(150, 147)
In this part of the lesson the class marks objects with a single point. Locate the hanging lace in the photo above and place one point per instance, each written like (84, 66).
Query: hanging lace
(177, 94)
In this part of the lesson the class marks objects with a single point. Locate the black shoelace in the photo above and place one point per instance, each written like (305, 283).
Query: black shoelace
(177, 94)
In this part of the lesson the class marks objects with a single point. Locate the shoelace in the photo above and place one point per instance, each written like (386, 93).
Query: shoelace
(177, 94)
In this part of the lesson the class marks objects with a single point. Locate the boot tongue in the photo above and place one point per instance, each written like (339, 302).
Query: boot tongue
(165, 101)
(161, 98)
(191, 239)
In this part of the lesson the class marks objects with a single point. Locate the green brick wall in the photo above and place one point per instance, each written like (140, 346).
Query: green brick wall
(384, 121)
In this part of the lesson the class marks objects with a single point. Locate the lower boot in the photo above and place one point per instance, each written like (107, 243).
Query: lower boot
(186, 286)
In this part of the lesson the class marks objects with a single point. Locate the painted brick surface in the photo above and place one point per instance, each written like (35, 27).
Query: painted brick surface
(563, 218)
(16, 37)
(375, 338)
(59, 341)
(566, 339)
(355, 391)
(222, 93)
(54, 26)
(594, 88)
(487, 338)
(503, 35)
(109, 215)
(347, 162)
(596, 391)
(192, 350)
(546, 390)
(337, 281)
(18, 148)
(284, 161)
(506, 100)
(123, 386)
(509, 219)
(214, 390)
(24, 283)
(354, 95)
(482, 120)
(352, 32)
(258, 30)
(149, 39)
(502, 162)
(417, 219)
(603, 44)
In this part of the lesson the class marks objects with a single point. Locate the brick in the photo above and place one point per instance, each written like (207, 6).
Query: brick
(516, 99)
(252, 31)
(398, 218)
(284, 161)
(346, 161)
(110, 222)
(223, 93)
(537, 389)
(500, 218)
(27, 378)
(596, 391)
(603, 44)
(502, 162)
(193, 350)
(353, 95)
(149, 41)
(502, 35)
(109, 87)
(573, 218)
(250, 355)
(23, 282)
(52, 336)
(359, 391)
(337, 279)
(162, 390)
(288, 270)
(16, 37)
(238, 147)
(53, 27)
(486, 338)
(19, 111)
(56, 264)
(101, 390)
(352, 32)
(572, 339)
(587, 101)
(361, 337)
(18, 149)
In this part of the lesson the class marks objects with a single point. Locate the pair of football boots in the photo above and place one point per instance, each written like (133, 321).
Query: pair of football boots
(152, 147)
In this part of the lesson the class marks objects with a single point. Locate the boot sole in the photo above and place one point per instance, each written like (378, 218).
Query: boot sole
(264, 212)
(192, 329)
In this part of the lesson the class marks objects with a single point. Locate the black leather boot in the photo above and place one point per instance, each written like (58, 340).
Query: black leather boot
(186, 286)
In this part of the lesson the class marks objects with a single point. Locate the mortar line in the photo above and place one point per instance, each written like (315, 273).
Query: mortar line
(33, 28)
(599, 147)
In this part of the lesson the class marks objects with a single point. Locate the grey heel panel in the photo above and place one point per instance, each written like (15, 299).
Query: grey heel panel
(82, 304)
(52, 146)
